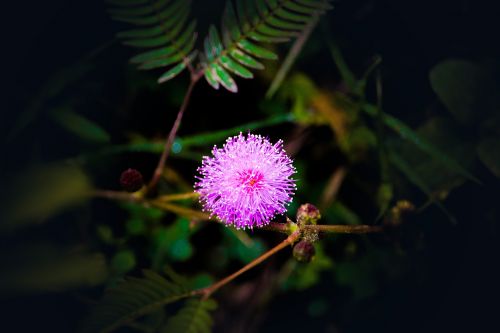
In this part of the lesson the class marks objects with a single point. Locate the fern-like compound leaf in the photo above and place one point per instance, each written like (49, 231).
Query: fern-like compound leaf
(194, 317)
(134, 298)
(247, 25)
(164, 31)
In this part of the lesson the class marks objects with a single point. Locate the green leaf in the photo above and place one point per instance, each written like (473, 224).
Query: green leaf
(194, 317)
(245, 59)
(163, 26)
(172, 243)
(166, 52)
(308, 7)
(210, 77)
(184, 143)
(445, 137)
(269, 31)
(345, 72)
(224, 78)
(162, 57)
(42, 192)
(215, 41)
(200, 281)
(158, 14)
(135, 226)
(43, 268)
(230, 24)
(134, 298)
(181, 249)
(385, 193)
(466, 89)
(262, 21)
(248, 252)
(259, 37)
(123, 262)
(277, 22)
(236, 68)
(488, 151)
(80, 126)
(291, 57)
(415, 178)
(172, 72)
(256, 50)
(210, 138)
(406, 133)
(286, 14)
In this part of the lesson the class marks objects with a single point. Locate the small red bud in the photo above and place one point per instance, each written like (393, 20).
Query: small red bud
(308, 214)
(131, 180)
(304, 251)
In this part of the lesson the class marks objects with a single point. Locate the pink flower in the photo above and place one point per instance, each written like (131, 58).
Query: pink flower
(247, 181)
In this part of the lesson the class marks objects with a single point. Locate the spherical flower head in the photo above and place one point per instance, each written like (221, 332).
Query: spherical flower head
(247, 181)
(131, 180)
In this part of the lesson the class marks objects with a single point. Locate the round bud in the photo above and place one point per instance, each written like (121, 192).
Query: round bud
(131, 180)
(304, 251)
(400, 213)
(308, 214)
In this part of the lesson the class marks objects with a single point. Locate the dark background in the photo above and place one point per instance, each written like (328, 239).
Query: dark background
(458, 290)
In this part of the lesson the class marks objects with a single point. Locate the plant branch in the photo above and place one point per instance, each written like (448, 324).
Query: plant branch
(208, 291)
(284, 228)
(288, 228)
(177, 197)
(116, 195)
(343, 229)
(180, 210)
(171, 135)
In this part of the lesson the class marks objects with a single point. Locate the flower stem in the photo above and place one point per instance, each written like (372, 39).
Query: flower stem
(290, 227)
(180, 210)
(284, 228)
(208, 291)
(177, 197)
(173, 132)
(343, 229)
(116, 195)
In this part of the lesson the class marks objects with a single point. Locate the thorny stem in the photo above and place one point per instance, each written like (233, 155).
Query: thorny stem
(173, 132)
(206, 292)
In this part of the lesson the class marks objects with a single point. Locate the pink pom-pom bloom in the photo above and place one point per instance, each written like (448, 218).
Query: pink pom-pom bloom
(247, 181)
